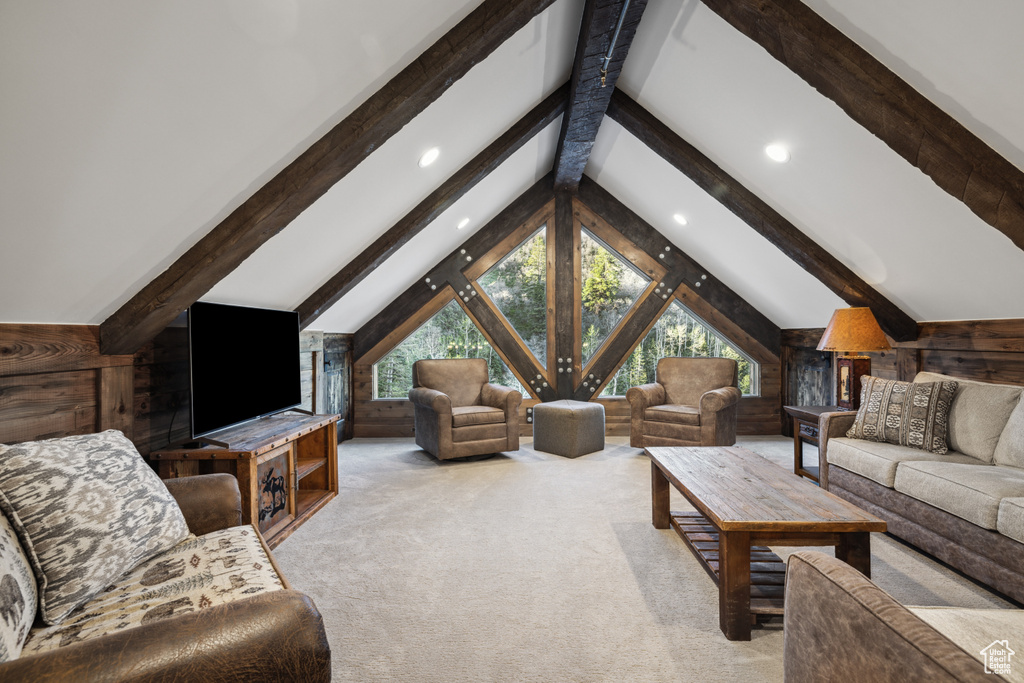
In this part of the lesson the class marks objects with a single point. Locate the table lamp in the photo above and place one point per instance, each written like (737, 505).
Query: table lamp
(852, 331)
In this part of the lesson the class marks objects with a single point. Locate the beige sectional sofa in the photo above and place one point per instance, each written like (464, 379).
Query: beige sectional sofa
(965, 507)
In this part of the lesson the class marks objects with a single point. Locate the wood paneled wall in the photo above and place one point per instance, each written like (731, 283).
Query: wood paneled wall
(981, 350)
(54, 382)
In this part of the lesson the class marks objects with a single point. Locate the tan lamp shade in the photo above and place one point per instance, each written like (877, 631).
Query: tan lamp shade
(853, 330)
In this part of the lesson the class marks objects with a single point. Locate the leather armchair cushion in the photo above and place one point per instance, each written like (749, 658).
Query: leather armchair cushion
(461, 379)
(267, 638)
(674, 414)
(484, 432)
(686, 379)
(476, 415)
(210, 502)
(198, 573)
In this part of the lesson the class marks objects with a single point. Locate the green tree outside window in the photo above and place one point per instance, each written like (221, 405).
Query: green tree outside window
(450, 333)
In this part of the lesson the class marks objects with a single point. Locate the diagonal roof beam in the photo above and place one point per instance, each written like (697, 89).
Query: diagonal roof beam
(681, 268)
(451, 267)
(314, 172)
(957, 160)
(433, 206)
(590, 93)
(760, 216)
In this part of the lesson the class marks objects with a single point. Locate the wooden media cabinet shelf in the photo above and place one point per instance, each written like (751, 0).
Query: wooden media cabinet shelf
(286, 465)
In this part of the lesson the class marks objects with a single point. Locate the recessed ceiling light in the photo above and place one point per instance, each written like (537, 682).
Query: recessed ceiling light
(463, 223)
(777, 152)
(679, 218)
(429, 157)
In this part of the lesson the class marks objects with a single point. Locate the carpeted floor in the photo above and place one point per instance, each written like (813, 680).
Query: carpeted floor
(533, 567)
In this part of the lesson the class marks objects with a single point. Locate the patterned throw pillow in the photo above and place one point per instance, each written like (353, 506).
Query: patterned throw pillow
(904, 413)
(17, 594)
(87, 509)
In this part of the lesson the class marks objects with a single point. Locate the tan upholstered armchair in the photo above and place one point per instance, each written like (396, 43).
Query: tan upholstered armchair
(692, 402)
(459, 413)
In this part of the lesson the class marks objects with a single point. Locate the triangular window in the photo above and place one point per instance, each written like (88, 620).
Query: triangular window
(680, 333)
(449, 333)
(610, 286)
(517, 285)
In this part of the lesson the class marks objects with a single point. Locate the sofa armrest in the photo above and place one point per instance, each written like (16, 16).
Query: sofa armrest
(831, 425)
(719, 399)
(644, 396)
(209, 502)
(497, 396)
(433, 399)
(838, 625)
(276, 636)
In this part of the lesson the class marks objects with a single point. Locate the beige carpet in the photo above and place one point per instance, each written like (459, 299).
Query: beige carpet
(532, 567)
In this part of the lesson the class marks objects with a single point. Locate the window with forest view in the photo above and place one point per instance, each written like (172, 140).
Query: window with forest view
(518, 287)
(450, 333)
(611, 284)
(679, 333)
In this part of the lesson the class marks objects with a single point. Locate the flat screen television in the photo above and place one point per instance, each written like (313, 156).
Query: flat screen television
(243, 364)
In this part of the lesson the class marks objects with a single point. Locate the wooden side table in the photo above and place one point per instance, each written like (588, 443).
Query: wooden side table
(805, 430)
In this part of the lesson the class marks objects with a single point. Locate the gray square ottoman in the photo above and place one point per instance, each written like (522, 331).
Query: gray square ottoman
(568, 428)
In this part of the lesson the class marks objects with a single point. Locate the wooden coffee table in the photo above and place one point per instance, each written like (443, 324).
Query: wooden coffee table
(745, 503)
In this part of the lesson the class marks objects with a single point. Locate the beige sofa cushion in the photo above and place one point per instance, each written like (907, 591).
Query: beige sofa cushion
(878, 460)
(978, 414)
(971, 492)
(1011, 519)
(1010, 449)
(974, 630)
(198, 573)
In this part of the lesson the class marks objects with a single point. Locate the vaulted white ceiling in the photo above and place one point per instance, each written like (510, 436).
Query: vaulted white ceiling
(128, 130)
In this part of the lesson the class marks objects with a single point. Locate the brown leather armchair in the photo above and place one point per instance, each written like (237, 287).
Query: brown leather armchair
(692, 402)
(459, 413)
(264, 638)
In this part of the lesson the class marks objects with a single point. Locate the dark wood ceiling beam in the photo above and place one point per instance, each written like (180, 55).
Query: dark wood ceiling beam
(588, 97)
(314, 172)
(566, 313)
(465, 179)
(760, 216)
(451, 267)
(957, 160)
(715, 292)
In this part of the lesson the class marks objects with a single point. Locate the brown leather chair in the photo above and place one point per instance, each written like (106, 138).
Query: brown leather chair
(459, 413)
(692, 402)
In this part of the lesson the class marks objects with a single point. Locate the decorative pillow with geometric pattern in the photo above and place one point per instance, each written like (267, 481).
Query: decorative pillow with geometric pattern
(17, 593)
(904, 413)
(197, 574)
(87, 509)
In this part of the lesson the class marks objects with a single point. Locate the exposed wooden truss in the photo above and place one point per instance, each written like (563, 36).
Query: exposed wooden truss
(760, 216)
(675, 276)
(314, 172)
(591, 84)
(916, 129)
(677, 264)
(465, 179)
(370, 335)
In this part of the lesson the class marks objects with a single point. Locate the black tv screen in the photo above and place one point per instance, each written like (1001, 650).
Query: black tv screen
(243, 363)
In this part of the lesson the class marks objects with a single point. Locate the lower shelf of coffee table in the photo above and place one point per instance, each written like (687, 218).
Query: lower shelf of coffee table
(767, 570)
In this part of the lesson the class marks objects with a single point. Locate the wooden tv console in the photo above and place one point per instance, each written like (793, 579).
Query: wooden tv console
(286, 465)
